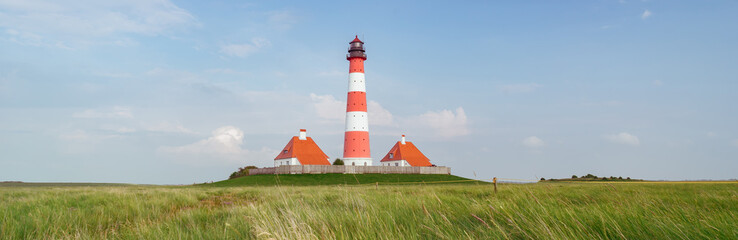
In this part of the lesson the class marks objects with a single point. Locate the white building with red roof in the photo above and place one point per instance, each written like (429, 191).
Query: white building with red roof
(405, 154)
(301, 150)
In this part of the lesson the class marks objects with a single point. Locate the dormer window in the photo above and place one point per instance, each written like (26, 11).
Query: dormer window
(285, 151)
(391, 155)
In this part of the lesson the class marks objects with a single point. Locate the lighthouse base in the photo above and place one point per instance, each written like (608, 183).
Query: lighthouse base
(357, 161)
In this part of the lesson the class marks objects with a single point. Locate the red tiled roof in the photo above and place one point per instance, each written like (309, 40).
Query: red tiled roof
(306, 151)
(409, 153)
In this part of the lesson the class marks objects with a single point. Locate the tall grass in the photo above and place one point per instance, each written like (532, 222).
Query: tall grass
(337, 178)
(517, 211)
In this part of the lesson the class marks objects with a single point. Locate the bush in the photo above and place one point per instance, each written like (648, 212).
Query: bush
(589, 175)
(573, 176)
(244, 171)
(338, 162)
(543, 179)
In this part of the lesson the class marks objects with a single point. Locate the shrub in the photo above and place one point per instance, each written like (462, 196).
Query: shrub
(573, 176)
(244, 171)
(338, 162)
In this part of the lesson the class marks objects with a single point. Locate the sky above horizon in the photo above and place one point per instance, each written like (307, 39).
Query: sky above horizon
(176, 92)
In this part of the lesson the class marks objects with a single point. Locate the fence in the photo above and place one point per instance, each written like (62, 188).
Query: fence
(317, 169)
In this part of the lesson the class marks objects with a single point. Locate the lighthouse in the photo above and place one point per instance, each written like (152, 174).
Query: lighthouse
(356, 139)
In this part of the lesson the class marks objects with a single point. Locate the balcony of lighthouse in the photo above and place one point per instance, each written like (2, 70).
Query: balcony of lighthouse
(356, 54)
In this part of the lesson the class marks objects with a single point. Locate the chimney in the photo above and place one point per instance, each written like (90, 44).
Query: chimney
(403, 139)
(303, 134)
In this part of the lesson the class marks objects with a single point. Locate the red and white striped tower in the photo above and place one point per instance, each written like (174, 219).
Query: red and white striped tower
(356, 140)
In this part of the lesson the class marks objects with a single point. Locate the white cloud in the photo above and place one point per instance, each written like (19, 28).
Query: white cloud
(281, 74)
(445, 123)
(225, 140)
(245, 49)
(328, 108)
(533, 142)
(226, 71)
(78, 141)
(378, 115)
(646, 14)
(167, 127)
(82, 135)
(623, 138)
(115, 112)
(224, 146)
(519, 88)
(282, 20)
(117, 128)
(60, 23)
(5, 81)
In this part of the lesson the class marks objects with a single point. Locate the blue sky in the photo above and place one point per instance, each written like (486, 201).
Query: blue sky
(178, 92)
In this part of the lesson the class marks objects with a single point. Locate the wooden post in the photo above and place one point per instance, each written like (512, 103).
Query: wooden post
(494, 181)
(376, 186)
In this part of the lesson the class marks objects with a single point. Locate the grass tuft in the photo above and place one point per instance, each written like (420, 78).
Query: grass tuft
(416, 211)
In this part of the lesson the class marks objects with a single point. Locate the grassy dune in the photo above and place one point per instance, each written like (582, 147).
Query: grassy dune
(338, 178)
(417, 211)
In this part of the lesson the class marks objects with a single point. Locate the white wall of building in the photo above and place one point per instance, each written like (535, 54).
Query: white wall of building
(286, 161)
(357, 161)
(400, 163)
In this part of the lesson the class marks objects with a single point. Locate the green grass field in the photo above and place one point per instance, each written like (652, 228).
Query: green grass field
(407, 211)
(338, 178)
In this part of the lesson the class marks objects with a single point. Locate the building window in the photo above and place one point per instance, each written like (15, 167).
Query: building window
(285, 151)
(353, 164)
(397, 164)
(391, 155)
(365, 164)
